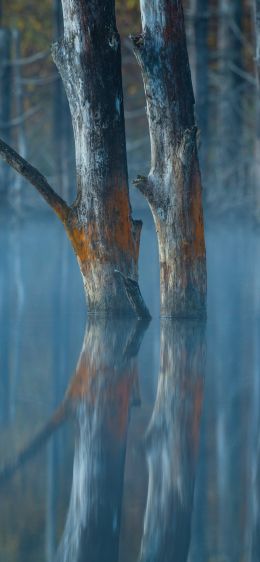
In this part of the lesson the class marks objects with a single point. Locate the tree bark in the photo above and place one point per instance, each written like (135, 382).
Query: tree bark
(231, 159)
(173, 187)
(100, 225)
(100, 394)
(5, 98)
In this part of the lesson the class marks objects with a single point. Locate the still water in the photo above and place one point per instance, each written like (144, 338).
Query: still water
(120, 440)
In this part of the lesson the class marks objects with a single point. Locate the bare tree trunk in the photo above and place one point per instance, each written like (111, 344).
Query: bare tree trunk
(5, 98)
(172, 443)
(201, 16)
(99, 223)
(230, 165)
(100, 226)
(173, 187)
(257, 140)
(257, 36)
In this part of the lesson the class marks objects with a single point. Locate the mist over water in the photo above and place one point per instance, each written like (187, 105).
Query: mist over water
(157, 456)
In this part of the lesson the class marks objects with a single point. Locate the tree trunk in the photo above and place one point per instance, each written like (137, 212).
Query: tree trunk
(172, 443)
(100, 226)
(231, 163)
(201, 16)
(173, 187)
(100, 394)
(257, 140)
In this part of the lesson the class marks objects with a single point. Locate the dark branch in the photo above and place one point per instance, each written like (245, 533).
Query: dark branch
(36, 179)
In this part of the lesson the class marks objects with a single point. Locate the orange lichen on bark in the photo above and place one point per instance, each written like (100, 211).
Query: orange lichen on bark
(100, 239)
(85, 241)
(119, 230)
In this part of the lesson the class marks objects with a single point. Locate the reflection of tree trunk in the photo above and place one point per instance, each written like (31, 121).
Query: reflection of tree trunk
(15, 227)
(257, 142)
(5, 116)
(79, 386)
(100, 394)
(255, 552)
(173, 187)
(100, 225)
(172, 443)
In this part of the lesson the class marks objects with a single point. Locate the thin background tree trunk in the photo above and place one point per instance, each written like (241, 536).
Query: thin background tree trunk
(201, 16)
(230, 122)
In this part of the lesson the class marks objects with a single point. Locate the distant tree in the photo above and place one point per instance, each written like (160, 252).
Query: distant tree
(230, 105)
(201, 18)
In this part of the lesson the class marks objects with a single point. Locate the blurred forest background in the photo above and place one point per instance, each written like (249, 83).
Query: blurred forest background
(35, 119)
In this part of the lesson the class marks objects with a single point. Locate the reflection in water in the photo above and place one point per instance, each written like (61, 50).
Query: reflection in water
(36, 512)
(172, 443)
(100, 394)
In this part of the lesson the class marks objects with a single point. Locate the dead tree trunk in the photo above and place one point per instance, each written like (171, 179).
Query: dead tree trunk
(257, 37)
(201, 18)
(99, 223)
(231, 161)
(257, 68)
(5, 98)
(100, 227)
(173, 187)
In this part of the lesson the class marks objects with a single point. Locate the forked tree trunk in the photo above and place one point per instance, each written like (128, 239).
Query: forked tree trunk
(99, 223)
(173, 187)
(100, 226)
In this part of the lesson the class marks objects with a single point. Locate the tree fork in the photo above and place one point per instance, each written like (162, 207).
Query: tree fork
(173, 187)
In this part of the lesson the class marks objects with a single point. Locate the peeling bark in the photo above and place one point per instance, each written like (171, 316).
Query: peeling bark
(173, 187)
